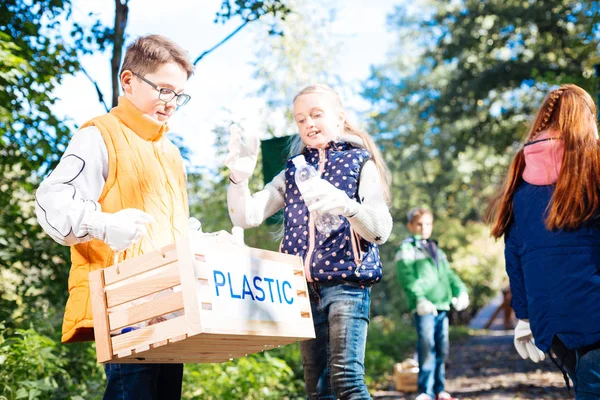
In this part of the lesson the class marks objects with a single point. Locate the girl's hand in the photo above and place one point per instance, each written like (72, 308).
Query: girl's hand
(525, 343)
(321, 196)
(242, 155)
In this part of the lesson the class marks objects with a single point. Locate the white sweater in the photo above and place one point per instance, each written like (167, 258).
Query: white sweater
(373, 221)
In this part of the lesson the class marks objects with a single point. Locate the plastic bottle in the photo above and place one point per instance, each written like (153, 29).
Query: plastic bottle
(325, 223)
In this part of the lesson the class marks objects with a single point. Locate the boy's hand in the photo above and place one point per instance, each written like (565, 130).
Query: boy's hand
(321, 196)
(119, 230)
(525, 343)
(242, 155)
(461, 302)
(425, 307)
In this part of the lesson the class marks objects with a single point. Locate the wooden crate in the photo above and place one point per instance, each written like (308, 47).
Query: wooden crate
(217, 319)
(406, 376)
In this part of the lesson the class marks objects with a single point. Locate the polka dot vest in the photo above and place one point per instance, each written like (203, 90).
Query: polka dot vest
(342, 255)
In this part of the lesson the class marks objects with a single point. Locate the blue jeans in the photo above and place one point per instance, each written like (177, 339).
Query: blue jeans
(143, 381)
(432, 350)
(583, 367)
(334, 361)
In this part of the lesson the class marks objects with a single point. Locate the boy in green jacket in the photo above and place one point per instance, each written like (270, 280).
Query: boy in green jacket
(431, 286)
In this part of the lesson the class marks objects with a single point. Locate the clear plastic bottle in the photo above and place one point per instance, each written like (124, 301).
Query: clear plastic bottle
(325, 223)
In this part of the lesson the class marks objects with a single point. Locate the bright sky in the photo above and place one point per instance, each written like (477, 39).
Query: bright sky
(223, 79)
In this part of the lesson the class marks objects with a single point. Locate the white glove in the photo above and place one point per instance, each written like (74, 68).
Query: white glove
(321, 196)
(461, 302)
(425, 307)
(194, 225)
(119, 230)
(242, 155)
(237, 234)
(525, 343)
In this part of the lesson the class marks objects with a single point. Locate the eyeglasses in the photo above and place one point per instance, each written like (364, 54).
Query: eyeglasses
(166, 94)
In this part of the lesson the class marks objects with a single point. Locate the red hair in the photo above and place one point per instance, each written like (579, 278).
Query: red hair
(570, 111)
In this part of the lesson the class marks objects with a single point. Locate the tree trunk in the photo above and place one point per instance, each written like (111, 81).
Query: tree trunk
(121, 13)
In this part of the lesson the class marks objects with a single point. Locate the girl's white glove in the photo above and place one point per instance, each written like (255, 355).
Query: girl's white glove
(525, 343)
(194, 225)
(425, 307)
(242, 155)
(321, 196)
(461, 302)
(119, 230)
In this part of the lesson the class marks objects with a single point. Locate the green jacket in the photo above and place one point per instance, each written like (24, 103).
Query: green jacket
(421, 278)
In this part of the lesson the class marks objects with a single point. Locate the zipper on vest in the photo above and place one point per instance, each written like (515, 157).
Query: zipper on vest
(356, 251)
(311, 225)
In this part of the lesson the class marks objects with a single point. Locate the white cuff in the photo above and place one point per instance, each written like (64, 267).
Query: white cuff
(94, 223)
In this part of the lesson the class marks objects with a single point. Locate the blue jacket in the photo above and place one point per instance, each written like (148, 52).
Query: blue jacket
(342, 255)
(554, 276)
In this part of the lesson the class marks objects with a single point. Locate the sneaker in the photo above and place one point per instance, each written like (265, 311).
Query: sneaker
(444, 396)
(423, 396)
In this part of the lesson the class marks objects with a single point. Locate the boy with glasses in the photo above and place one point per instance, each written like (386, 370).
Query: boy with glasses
(121, 187)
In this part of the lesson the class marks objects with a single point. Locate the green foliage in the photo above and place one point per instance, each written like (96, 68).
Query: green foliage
(35, 366)
(255, 377)
(447, 113)
(300, 57)
(479, 263)
(252, 10)
(389, 340)
(208, 197)
(35, 57)
(450, 108)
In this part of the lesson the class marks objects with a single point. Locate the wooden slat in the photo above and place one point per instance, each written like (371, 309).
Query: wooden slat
(142, 312)
(124, 353)
(205, 348)
(189, 285)
(205, 294)
(215, 324)
(202, 271)
(178, 338)
(304, 305)
(164, 279)
(138, 265)
(215, 244)
(149, 335)
(159, 344)
(100, 316)
(299, 283)
(141, 349)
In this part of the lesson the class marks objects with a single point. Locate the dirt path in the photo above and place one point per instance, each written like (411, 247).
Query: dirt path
(489, 368)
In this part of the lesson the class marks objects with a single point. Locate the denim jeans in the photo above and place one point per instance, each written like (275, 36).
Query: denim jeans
(334, 361)
(143, 381)
(432, 351)
(583, 367)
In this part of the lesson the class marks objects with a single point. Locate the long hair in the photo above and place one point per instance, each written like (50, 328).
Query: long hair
(384, 174)
(571, 112)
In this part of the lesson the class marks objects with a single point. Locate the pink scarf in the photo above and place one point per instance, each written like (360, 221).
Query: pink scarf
(543, 159)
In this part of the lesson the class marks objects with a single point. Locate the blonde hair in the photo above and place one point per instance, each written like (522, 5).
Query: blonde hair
(297, 145)
(149, 53)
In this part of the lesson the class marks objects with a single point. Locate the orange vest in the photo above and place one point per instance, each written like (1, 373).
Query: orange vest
(145, 172)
